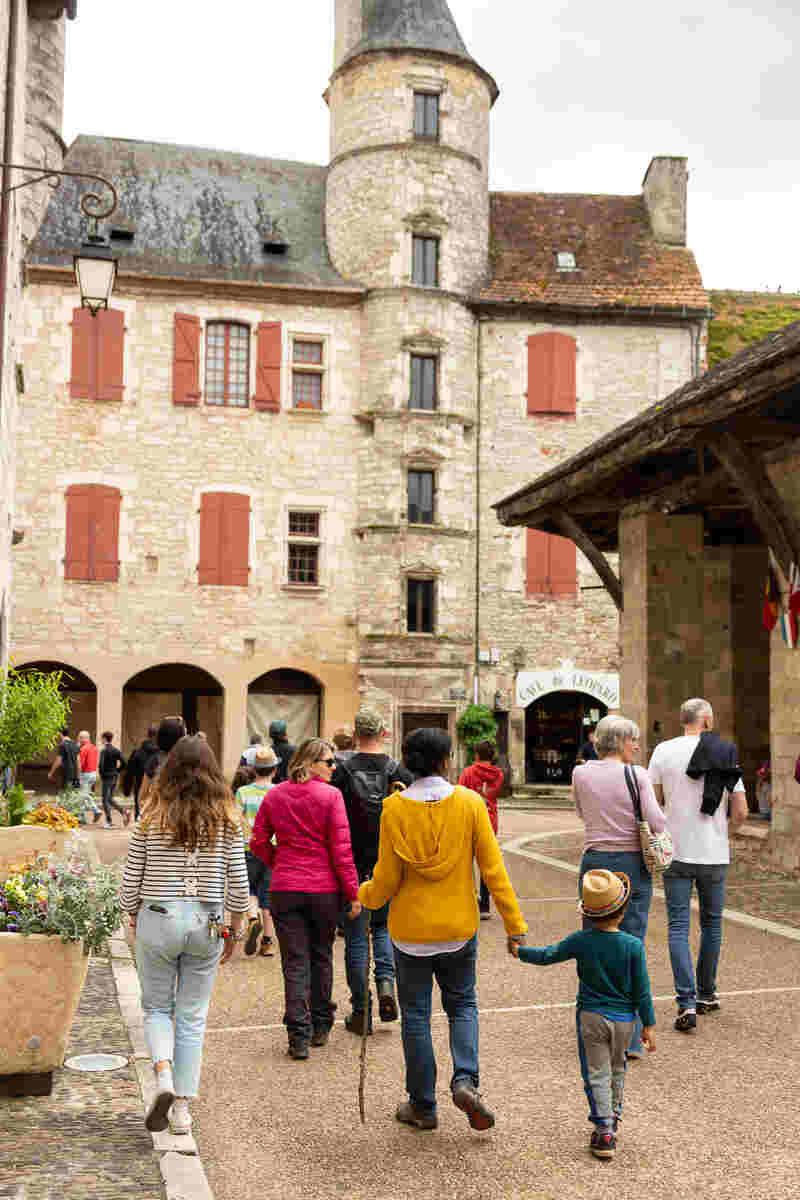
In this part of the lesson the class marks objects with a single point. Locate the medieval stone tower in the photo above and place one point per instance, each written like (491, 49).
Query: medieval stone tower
(407, 216)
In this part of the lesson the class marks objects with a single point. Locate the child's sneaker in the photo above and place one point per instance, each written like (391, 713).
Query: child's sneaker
(603, 1143)
(708, 1006)
(180, 1119)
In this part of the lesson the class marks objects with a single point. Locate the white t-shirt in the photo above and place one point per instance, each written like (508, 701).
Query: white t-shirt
(697, 838)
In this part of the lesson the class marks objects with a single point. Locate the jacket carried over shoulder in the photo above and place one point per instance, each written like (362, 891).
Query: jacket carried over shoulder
(425, 867)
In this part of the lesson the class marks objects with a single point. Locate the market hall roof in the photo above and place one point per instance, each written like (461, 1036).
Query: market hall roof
(197, 214)
(703, 448)
(619, 265)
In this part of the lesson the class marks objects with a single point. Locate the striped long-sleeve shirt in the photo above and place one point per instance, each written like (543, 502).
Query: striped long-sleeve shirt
(157, 871)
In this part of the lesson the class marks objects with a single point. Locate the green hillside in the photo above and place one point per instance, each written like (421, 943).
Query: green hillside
(745, 317)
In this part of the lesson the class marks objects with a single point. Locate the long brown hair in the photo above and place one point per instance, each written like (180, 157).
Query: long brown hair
(306, 754)
(189, 798)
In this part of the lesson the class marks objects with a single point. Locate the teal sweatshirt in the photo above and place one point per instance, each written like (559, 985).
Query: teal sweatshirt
(612, 970)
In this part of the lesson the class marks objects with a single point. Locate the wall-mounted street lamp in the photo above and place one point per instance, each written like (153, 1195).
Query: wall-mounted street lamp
(95, 264)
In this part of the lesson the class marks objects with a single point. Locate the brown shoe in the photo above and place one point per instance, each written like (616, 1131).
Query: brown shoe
(266, 950)
(320, 1037)
(253, 934)
(468, 1099)
(411, 1116)
(387, 1005)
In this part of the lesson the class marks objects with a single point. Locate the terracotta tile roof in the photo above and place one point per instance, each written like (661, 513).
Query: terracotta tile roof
(619, 262)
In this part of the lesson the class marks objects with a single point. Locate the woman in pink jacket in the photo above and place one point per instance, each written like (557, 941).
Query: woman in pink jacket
(312, 867)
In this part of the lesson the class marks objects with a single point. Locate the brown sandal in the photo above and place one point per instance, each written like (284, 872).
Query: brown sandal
(266, 950)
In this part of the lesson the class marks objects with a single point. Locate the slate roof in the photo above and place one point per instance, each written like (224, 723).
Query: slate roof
(414, 25)
(197, 214)
(620, 264)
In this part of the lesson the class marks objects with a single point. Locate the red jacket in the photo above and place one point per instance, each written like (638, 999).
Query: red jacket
(88, 756)
(313, 852)
(487, 780)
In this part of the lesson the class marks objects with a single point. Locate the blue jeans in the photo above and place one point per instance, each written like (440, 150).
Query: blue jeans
(455, 975)
(355, 951)
(710, 881)
(177, 961)
(638, 910)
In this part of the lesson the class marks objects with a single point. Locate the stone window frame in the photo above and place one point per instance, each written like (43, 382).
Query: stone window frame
(421, 466)
(425, 345)
(323, 370)
(227, 323)
(289, 539)
(422, 572)
(430, 85)
(431, 225)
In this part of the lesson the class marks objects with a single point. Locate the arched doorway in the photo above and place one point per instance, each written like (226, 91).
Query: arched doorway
(555, 728)
(292, 696)
(81, 692)
(172, 689)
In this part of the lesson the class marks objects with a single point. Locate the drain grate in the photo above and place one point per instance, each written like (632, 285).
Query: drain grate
(96, 1062)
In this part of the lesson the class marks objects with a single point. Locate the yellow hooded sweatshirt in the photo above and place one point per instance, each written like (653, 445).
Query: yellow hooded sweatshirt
(425, 868)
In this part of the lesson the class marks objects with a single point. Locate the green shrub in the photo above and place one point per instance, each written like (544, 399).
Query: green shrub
(476, 724)
(32, 713)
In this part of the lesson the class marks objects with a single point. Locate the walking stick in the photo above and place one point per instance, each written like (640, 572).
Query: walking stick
(364, 1035)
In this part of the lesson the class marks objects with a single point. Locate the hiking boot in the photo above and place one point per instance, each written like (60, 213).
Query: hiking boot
(603, 1144)
(686, 1021)
(468, 1099)
(354, 1023)
(708, 1006)
(253, 934)
(387, 1005)
(180, 1119)
(320, 1037)
(156, 1118)
(411, 1116)
(298, 1046)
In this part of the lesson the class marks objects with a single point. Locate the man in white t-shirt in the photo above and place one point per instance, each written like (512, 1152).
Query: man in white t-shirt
(702, 856)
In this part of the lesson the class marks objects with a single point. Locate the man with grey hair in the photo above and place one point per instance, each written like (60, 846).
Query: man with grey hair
(697, 781)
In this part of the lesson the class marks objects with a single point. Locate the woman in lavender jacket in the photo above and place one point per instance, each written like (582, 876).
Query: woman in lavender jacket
(312, 867)
(611, 842)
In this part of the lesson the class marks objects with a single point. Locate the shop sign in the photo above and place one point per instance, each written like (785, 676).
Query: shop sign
(568, 678)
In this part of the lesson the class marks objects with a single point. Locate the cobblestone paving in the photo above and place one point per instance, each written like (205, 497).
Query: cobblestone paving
(752, 888)
(86, 1140)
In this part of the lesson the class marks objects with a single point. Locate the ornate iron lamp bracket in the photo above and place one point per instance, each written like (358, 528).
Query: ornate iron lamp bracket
(92, 205)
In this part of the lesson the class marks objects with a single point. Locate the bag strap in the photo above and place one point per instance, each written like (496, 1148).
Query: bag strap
(633, 788)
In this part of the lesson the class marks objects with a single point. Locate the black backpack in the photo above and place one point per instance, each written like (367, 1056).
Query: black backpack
(371, 788)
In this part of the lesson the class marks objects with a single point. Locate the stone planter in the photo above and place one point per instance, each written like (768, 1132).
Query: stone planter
(19, 842)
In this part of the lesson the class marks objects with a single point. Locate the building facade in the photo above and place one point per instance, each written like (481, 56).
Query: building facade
(261, 483)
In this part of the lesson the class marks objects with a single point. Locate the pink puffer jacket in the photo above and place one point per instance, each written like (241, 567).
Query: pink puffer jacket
(313, 852)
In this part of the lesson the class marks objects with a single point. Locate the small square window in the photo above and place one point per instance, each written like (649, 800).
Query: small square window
(425, 261)
(420, 605)
(303, 564)
(304, 524)
(308, 352)
(565, 261)
(426, 115)
(420, 497)
(423, 392)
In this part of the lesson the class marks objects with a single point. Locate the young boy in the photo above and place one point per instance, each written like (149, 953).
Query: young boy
(249, 798)
(614, 986)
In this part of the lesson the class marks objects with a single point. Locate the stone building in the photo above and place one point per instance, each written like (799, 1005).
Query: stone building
(31, 103)
(261, 483)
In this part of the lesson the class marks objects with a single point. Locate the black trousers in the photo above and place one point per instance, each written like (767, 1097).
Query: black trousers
(109, 783)
(305, 924)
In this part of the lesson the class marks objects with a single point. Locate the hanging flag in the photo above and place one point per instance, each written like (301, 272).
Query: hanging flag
(790, 616)
(772, 601)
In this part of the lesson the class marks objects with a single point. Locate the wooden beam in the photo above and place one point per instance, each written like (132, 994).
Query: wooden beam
(694, 489)
(571, 529)
(777, 525)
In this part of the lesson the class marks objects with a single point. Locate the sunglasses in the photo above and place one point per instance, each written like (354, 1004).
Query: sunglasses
(329, 762)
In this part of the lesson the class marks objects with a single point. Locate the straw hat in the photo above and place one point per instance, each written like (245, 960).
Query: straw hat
(265, 756)
(604, 893)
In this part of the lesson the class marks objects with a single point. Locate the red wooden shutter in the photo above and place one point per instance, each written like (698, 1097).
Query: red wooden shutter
(110, 354)
(551, 373)
(268, 367)
(186, 360)
(210, 537)
(563, 570)
(235, 540)
(536, 563)
(78, 552)
(105, 530)
(81, 384)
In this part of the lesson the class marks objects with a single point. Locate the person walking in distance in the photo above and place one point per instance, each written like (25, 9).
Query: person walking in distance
(697, 778)
(185, 865)
(109, 766)
(134, 772)
(87, 772)
(66, 761)
(283, 748)
(485, 778)
(365, 778)
(249, 797)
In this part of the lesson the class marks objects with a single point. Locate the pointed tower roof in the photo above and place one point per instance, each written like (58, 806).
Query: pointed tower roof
(413, 25)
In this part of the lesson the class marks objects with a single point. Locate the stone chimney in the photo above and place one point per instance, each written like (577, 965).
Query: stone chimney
(664, 190)
(349, 28)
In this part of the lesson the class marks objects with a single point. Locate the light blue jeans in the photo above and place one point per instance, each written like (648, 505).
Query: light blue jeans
(177, 961)
(88, 779)
(709, 879)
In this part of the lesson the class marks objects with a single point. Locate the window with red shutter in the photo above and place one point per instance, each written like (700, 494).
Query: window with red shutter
(551, 565)
(224, 539)
(92, 535)
(98, 355)
(551, 374)
(269, 342)
(186, 360)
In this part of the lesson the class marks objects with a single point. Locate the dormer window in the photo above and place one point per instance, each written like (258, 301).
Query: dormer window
(565, 261)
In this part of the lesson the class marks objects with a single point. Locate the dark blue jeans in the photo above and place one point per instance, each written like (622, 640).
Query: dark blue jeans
(455, 975)
(638, 910)
(355, 951)
(710, 880)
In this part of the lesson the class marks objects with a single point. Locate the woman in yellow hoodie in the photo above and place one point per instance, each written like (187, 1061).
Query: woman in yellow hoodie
(430, 834)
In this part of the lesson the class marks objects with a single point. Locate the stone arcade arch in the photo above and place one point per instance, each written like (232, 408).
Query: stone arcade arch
(81, 692)
(294, 696)
(170, 689)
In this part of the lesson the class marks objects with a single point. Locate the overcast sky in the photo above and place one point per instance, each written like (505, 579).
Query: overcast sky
(589, 93)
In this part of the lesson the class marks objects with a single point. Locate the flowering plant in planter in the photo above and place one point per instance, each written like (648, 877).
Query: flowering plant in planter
(61, 897)
(53, 816)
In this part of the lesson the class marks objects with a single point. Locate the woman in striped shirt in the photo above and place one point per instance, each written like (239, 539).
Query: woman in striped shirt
(185, 865)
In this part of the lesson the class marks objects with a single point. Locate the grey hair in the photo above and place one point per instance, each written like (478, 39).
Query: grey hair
(693, 710)
(611, 732)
